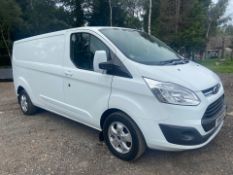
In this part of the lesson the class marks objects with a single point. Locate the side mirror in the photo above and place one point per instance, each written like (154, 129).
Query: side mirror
(108, 66)
(100, 57)
(114, 69)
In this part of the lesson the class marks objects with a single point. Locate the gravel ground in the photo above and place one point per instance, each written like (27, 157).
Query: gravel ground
(49, 144)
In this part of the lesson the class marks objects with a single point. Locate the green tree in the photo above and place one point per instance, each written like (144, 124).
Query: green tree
(40, 17)
(216, 17)
(133, 13)
(191, 33)
(181, 23)
(155, 13)
(9, 17)
(99, 15)
(229, 30)
(123, 13)
(75, 12)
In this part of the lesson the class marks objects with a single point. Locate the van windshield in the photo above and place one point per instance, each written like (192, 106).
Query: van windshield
(141, 47)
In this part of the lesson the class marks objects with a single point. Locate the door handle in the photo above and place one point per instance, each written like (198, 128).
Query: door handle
(68, 74)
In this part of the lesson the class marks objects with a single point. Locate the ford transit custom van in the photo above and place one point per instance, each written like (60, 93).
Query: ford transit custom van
(127, 84)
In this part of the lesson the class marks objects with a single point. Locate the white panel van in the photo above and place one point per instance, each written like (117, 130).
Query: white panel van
(123, 82)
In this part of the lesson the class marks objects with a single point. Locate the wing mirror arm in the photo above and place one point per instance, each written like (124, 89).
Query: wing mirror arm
(102, 65)
(108, 66)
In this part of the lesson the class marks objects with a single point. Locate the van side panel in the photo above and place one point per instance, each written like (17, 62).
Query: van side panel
(48, 50)
(37, 67)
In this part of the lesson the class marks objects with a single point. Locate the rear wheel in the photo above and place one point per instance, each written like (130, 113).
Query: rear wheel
(26, 104)
(123, 137)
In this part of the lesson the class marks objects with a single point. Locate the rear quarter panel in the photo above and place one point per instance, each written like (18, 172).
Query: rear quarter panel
(37, 66)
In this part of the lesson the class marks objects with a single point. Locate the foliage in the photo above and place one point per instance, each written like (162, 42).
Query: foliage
(125, 13)
(192, 31)
(70, 12)
(183, 24)
(40, 17)
(155, 16)
(9, 18)
(216, 16)
(9, 13)
(99, 13)
(229, 30)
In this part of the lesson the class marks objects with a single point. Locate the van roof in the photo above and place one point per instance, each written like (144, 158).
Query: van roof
(62, 32)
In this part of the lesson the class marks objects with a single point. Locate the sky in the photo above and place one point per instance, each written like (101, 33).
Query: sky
(229, 10)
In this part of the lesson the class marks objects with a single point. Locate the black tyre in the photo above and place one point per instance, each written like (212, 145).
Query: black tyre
(123, 137)
(26, 104)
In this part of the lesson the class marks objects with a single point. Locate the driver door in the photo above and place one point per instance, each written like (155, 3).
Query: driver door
(86, 93)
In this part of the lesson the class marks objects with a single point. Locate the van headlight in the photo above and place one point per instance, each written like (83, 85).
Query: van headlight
(172, 93)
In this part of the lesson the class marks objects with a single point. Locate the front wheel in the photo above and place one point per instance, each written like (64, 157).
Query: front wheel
(123, 137)
(26, 104)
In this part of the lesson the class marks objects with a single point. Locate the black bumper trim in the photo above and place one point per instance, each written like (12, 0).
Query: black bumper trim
(213, 111)
(184, 135)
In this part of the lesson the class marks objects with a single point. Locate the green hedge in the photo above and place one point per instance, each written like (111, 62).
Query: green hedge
(219, 66)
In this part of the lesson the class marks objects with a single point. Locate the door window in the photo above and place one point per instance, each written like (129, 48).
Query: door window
(82, 50)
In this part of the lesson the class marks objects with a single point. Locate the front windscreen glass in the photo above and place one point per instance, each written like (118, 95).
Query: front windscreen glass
(141, 47)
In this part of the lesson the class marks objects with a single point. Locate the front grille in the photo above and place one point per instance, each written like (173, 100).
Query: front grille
(212, 113)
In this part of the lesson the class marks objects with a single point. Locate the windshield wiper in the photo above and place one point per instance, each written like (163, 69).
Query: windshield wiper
(174, 62)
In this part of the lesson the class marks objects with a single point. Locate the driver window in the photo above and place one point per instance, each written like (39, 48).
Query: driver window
(82, 49)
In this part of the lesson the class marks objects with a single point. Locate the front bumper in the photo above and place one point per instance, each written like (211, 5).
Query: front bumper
(184, 135)
(181, 132)
(211, 120)
(166, 146)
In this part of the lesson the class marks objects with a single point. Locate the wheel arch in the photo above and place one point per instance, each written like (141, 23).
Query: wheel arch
(112, 110)
(23, 85)
(19, 89)
(106, 114)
